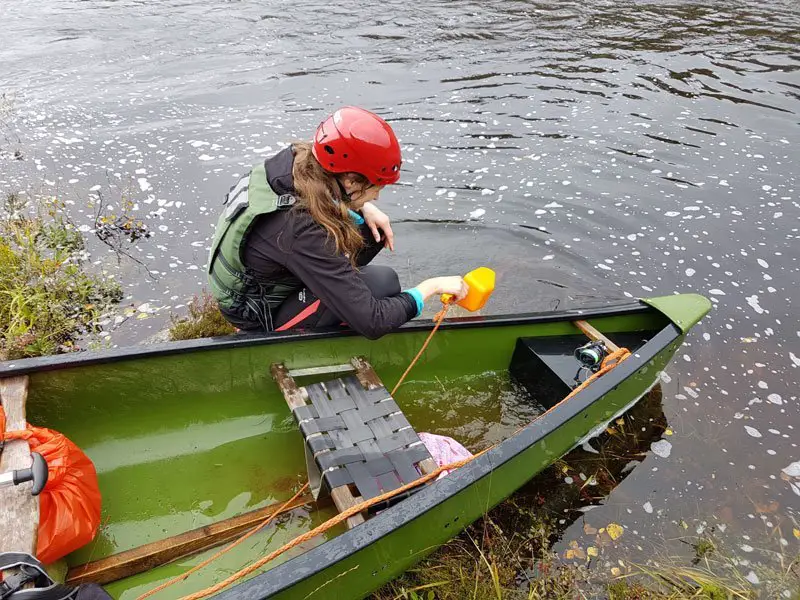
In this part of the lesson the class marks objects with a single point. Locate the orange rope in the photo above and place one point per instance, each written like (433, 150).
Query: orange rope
(617, 357)
(322, 528)
(226, 549)
(438, 319)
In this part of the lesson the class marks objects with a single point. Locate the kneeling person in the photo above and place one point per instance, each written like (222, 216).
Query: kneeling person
(293, 245)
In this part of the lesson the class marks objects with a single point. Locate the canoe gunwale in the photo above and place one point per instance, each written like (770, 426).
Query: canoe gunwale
(282, 577)
(26, 366)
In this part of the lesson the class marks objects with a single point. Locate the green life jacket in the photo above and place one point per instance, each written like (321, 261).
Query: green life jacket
(234, 288)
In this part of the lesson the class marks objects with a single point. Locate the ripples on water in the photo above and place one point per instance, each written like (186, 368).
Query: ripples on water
(585, 152)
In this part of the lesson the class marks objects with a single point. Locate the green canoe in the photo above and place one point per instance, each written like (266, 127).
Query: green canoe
(186, 435)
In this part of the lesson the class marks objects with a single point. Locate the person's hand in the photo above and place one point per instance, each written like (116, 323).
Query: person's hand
(454, 285)
(378, 221)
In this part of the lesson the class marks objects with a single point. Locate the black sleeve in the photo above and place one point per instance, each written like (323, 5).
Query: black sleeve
(332, 279)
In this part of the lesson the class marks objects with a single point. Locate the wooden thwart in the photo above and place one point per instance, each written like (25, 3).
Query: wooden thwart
(19, 510)
(595, 335)
(343, 496)
(143, 558)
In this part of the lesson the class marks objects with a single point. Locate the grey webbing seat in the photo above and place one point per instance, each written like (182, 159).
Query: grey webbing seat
(356, 436)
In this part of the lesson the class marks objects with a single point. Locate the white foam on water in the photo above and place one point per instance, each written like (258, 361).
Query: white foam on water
(661, 448)
(775, 399)
(752, 431)
(753, 302)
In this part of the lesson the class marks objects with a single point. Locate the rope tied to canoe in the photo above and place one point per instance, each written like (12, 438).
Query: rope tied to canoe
(438, 321)
(226, 549)
(320, 529)
(609, 362)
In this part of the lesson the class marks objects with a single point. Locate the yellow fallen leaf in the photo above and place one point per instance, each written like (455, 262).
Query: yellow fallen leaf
(615, 571)
(668, 431)
(592, 551)
(569, 554)
(588, 529)
(796, 533)
(614, 530)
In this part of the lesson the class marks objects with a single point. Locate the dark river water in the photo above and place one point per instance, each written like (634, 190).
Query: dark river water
(586, 151)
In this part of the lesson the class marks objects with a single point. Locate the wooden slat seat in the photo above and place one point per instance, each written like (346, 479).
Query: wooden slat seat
(357, 434)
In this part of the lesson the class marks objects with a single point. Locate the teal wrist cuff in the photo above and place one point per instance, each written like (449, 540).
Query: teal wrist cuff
(417, 296)
(357, 218)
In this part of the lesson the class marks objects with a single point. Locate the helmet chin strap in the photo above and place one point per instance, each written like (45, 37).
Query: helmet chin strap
(345, 196)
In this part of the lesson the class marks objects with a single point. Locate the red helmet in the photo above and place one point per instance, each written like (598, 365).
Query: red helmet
(354, 140)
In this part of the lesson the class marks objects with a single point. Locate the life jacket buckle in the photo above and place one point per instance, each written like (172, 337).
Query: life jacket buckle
(286, 201)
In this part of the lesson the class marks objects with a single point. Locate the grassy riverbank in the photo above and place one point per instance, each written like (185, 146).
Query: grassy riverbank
(48, 297)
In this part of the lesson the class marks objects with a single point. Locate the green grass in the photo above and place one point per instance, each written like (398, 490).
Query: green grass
(702, 548)
(203, 320)
(48, 299)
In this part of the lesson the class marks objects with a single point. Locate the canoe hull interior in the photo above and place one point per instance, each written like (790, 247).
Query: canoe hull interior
(189, 434)
(359, 562)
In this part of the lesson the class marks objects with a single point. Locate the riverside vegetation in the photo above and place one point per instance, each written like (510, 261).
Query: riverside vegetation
(48, 298)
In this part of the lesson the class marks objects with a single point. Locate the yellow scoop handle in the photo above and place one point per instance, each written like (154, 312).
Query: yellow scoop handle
(481, 285)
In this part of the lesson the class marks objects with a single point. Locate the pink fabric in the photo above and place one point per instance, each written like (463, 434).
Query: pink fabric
(444, 450)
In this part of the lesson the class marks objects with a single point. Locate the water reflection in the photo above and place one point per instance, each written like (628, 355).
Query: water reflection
(566, 492)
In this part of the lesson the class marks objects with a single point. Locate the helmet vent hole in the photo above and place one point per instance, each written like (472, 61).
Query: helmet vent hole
(330, 164)
(344, 155)
(329, 149)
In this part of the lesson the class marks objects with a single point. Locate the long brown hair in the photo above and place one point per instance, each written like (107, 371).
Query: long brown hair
(319, 192)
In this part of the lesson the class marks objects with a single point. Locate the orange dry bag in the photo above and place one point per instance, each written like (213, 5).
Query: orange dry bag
(69, 505)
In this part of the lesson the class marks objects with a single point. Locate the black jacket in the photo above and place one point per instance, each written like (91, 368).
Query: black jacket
(290, 247)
